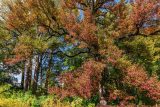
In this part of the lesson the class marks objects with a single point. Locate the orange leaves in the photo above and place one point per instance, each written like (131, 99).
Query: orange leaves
(21, 52)
(135, 75)
(19, 16)
(149, 30)
(158, 12)
(28, 14)
(30, 3)
(12, 61)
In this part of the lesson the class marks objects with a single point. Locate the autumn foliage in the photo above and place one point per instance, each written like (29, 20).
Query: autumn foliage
(83, 82)
(96, 30)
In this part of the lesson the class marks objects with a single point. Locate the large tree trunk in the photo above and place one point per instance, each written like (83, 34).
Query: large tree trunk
(98, 58)
(103, 95)
(28, 75)
(47, 81)
(41, 71)
(36, 74)
(22, 77)
(48, 72)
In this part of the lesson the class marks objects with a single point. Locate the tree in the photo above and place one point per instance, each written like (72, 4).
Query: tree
(92, 28)
(34, 34)
(102, 48)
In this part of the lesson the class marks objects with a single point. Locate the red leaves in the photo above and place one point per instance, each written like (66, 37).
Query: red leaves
(152, 86)
(84, 82)
(137, 17)
(83, 31)
(119, 94)
(12, 61)
(136, 76)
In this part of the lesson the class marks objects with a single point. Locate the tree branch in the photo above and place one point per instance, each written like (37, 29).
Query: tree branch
(65, 54)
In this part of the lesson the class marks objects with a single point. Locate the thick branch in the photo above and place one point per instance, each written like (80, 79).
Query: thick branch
(138, 33)
(65, 54)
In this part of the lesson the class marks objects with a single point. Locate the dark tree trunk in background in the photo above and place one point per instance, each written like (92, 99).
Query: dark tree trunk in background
(48, 72)
(47, 80)
(41, 71)
(36, 74)
(103, 95)
(28, 75)
(98, 58)
(22, 77)
(41, 76)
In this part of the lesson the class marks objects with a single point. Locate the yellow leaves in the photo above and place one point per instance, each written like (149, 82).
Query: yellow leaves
(50, 102)
(123, 63)
(25, 40)
(4, 87)
(76, 12)
(40, 45)
(23, 50)
(12, 103)
(4, 37)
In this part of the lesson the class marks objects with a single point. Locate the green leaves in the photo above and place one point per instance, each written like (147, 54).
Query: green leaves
(39, 44)
(143, 50)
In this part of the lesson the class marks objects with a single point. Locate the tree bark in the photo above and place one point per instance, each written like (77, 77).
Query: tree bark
(22, 77)
(98, 58)
(48, 72)
(28, 75)
(41, 71)
(36, 74)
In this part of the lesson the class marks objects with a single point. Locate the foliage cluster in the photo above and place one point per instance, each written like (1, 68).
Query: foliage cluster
(11, 97)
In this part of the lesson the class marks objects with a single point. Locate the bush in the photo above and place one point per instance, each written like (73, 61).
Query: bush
(17, 98)
(12, 103)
